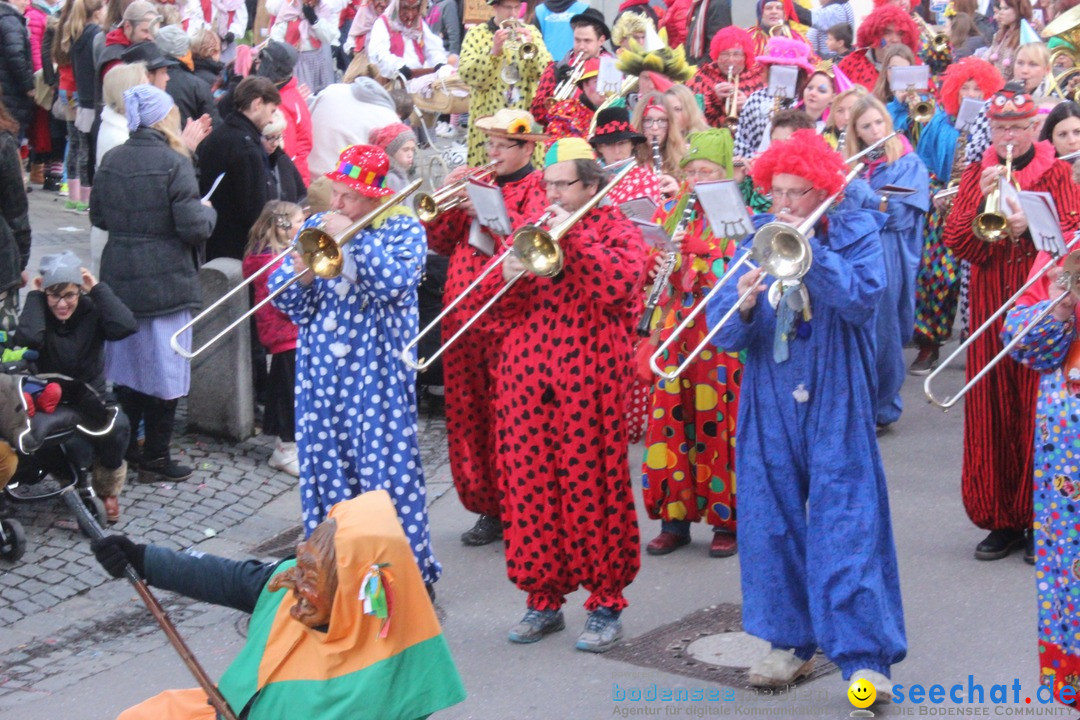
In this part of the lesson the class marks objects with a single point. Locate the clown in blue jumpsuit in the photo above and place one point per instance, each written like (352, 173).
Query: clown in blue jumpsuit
(355, 398)
(814, 513)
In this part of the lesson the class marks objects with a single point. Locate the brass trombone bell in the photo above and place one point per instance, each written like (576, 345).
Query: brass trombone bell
(430, 206)
(320, 251)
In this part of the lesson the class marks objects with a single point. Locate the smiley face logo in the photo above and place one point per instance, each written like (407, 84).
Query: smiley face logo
(861, 693)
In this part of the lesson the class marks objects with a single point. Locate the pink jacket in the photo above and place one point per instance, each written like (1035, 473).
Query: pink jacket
(276, 332)
(36, 19)
(297, 128)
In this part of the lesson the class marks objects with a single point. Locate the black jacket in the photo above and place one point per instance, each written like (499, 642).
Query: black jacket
(16, 66)
(716, 19)
(285, 180)
(191, 94)
(147, 197)
(235, 149)
(75, 347)
(82, 64)
(209, 71)
(14, 215)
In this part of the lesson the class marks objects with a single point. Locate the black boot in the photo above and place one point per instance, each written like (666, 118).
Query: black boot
(487, 529)
(157, 464)
(998, 544)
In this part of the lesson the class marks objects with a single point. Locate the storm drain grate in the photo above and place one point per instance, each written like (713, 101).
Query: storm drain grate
(281, 545)
(667, 649)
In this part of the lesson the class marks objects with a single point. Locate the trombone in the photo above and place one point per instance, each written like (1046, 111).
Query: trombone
(1071, 281)
(321, 253)
(782, 250)
(565, 89)
(429, 207)
(538, 250)
(992, 224)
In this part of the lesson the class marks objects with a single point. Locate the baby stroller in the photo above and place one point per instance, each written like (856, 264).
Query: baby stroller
(43, 447)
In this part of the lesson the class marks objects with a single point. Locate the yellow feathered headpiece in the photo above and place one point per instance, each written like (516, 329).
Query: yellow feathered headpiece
(670, 63)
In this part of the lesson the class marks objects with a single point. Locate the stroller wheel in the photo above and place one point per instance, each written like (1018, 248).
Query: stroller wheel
(12, 540)
(97, 509)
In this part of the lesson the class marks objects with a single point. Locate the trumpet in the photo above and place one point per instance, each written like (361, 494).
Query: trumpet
(920, 109)
(526, 49)
(780, 30)
(1071, 281)
(731, 106)
(321, 253)
(938, 42)
(538, 250)
(992, 224)
(429, 207)
(671, 259)
(565, 89)
(782, 250)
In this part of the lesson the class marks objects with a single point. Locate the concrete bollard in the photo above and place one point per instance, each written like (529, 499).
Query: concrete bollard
(221, 402)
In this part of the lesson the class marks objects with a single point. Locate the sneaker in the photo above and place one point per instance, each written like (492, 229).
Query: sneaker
(63, 192)
(603, 629)
(52, 183)
(75, 206)
(444, 130)
(925, 361)
(779, 668)
(285, 459)
(163, 470)
(487, 529)
(536, 624)
(882, 685)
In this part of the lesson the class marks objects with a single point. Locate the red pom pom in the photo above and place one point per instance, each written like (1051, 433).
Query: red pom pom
(49, 398)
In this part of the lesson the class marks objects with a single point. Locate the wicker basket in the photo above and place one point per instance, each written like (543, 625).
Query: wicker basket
(448, 97)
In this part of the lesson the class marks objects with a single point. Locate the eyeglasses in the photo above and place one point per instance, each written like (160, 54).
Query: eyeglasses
(498, 147)
(655, 122)
(704, 174)
(1007, 130)
(271, 138)
(560, 184)
(790, 194)
(67, 298)
(731, 54)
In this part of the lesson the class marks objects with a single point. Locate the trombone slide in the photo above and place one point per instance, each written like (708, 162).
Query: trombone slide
(948, 402)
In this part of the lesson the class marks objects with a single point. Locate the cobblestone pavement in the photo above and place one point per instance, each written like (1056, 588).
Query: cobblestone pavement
(57, 604)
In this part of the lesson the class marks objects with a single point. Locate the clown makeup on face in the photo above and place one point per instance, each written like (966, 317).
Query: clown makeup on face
(817, 95)
(891, 35)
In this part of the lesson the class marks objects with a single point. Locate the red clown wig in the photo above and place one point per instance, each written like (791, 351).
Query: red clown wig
(881, 19)
(804, 154)
(733, 37)
(982, 72)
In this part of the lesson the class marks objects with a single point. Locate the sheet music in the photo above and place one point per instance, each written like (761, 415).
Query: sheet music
(723, 205)
(654, 235)
(609, 79)
(914, 76)
(783, 80)
(1044, 223)
(490, 207)
(641, 208)
(969, 112)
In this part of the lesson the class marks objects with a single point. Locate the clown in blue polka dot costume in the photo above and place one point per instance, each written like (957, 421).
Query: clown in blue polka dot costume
(355, 399)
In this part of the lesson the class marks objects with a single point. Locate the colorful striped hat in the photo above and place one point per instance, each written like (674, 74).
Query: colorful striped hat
(363, 168)
(568, 148)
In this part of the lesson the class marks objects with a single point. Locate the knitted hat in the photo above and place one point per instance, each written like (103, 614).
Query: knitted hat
(785, 51)
(1011, 103)
(612, 126)
(363, 168)
(509, 123)
(593, 17)
(149, 53)
(714, 145)
(172, 40)
(146, 105)
(569, 148)
(276, 61)
(61, 269)
(392, 137)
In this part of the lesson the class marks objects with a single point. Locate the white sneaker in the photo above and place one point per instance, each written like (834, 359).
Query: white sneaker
(882, 685)
(779, 668)
(443, 129)
(285, 459)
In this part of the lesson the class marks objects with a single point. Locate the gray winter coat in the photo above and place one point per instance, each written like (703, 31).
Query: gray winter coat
(147, 197)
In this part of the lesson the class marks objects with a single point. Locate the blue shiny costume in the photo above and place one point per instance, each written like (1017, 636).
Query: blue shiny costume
(355, 398)
(902, 242)
(815, 533)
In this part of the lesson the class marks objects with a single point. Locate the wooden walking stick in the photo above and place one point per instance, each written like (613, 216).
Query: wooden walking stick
(90, 526)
